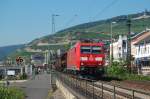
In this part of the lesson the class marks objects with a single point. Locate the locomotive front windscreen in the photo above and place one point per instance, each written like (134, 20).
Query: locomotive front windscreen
(96, 49)
(90, 49)
(85, 49)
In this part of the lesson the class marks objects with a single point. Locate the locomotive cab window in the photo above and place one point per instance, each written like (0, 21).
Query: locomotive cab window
(85, 49)
(96, 49)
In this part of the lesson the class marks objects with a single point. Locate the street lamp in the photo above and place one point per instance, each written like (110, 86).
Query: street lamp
(111, 56)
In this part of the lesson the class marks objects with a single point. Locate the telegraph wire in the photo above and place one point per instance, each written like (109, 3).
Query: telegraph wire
(91, 18)
(75, 16)
(105, 8)
(71, 20)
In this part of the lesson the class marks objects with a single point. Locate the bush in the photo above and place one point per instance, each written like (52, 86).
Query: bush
(11, 77)
(11, 93)
(23, 76)
(117, 69)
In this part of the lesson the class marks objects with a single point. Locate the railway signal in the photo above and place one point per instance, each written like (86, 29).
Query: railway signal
(19, 60)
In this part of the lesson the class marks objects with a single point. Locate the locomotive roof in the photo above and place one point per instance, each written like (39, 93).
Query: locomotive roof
(87, 43)
(91, 43)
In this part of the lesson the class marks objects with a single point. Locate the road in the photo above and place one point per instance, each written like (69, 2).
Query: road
(37, 88)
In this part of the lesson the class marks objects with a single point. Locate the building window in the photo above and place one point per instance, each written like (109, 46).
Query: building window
(139, 50)
(119, 48)
(142, 50)
(124, 44)
(119, 55)
(145, 63)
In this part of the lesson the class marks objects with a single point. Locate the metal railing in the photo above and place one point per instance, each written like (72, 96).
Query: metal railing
(93, 90)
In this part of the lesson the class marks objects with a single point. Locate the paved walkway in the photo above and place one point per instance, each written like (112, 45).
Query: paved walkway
(37, 88)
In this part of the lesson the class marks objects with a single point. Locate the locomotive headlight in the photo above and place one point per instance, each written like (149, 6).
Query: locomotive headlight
(84, 58)
(98, 58)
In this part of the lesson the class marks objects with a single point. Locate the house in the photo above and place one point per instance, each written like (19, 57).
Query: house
(141, 43)
(140, 50)
(119, 48)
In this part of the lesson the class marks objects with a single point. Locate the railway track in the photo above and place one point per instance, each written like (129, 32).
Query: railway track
(101, 89)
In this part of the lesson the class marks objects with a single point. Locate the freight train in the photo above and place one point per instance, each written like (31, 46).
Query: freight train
(83, 58)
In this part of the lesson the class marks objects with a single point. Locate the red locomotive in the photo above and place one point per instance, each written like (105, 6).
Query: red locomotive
(83, 58)
(86, 58)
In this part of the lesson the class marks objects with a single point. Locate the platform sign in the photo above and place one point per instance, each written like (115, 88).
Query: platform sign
(11, 72)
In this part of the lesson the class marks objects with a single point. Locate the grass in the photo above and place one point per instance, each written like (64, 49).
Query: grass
(51, 92)
(131, 77)
(136, 77)
(11, 93)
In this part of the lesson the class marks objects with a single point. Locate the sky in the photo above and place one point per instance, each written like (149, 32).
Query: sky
(22, 21)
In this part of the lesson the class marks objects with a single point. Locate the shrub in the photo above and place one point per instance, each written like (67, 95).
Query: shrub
(11, 93)
(23, 76)
(117, 69)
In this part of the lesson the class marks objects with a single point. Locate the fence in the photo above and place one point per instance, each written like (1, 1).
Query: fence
(100, 90)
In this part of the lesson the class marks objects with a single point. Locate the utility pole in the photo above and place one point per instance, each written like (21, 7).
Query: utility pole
(51, 68)
(128, 58)
(51, 59)
(111, 55)
(53, 29)
(53, 23)
(70, 38)
(111, 59)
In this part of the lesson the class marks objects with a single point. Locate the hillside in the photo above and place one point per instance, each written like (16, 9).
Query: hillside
(101, 29)
(93, 30)
(6, 50)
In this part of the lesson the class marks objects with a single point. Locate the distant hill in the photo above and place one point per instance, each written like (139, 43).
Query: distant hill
(92, 30)
(139, 22)
(101, 29)
(6, 50)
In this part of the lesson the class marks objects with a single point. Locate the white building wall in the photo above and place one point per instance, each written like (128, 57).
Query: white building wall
(115, 51)
(119, 51)
(142, 50)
